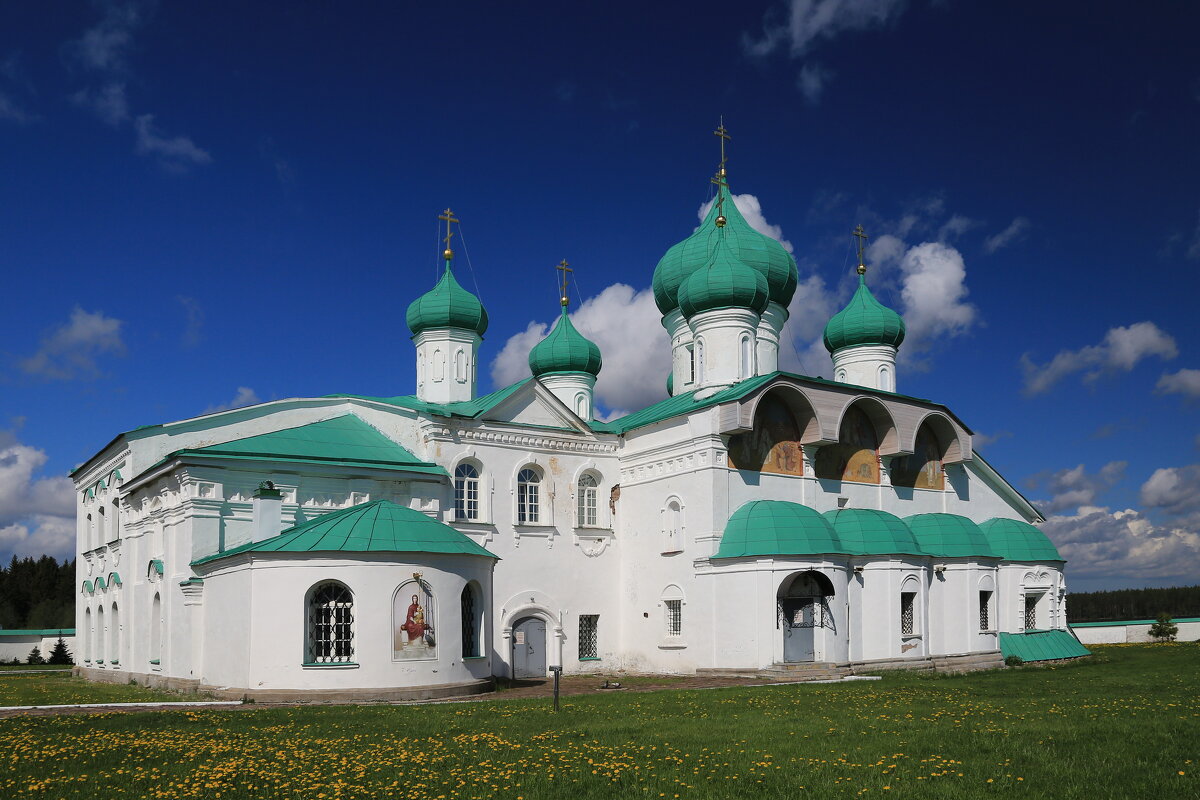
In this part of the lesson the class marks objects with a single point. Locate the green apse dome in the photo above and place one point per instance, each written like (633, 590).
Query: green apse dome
(864, 321)
(447, 305)
(777, 528)
(949, 536)
(725, 283)
(869, 532)
(764, 254)
(1015, 540)
(565, 350)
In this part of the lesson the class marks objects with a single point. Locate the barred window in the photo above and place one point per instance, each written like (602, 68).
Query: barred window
(674, 617)
(1031, 601)
(907, 602)
(466, 492)
(528, 483)
(588, 627)
(985, 622)
(587, 502)
(330, 624)
(470, 623)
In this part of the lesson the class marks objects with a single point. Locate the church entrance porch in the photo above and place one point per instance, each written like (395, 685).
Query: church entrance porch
(802, 607)
(529, 648)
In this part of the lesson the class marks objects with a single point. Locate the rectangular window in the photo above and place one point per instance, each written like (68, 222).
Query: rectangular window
(985, 622)
(674, 617)
(1031, 601)
(527, 503)
(466, 499)
(588, 626)
(908, 601)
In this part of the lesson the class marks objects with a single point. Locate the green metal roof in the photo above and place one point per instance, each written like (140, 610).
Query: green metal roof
(864, 321)
(99, 584)
(156, 565)
(467, 408)
(725, 282)
(866, 531)
(777, 528)
(949, 536)
(1128, 622)
(114, 578)
(1016, 540)
(88, 586)
(447, 305)
(1041, 645)
(341, 441)
(565, 350)
(37, 632)
(758, 251)
(380, 526)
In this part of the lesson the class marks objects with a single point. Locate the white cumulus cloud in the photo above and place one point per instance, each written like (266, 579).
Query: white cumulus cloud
(1124, 547)
(1075, 486)
(1121, 350)
(72, 350)
(751, 209)
(245, 396)
(37, 513)
(1185, 382)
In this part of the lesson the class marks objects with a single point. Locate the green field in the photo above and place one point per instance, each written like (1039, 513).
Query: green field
(60, 688)
(1125, 723)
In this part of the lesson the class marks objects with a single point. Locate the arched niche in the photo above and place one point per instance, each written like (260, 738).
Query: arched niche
(953, 441)
(921, 469)
(855, 457)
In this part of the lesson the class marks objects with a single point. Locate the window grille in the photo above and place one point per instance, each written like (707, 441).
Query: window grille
(588, 626)
(466, 492)
(984, 619)
(527, 497)
(674, 617)
(1031, 612)
(470, 645)
(330, 625)
(907, 601)
(587, 502)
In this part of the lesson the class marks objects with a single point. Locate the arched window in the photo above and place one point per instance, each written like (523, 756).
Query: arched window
(672, 601)
(586, 516)
(90, 533)
(774, 443)
(855, 458)
(466, 492)
(330, 635)
(114, 627)
(699, 371)
(528, 497)
(472, 615)
(156, 629)
(922, 469)
(672, 519)
(460, 366)
(438, 366)
(841, 376)
(987, 591)
(581, 406)
(747, 360)
(102, 528)
(420, 367)
(909, 619)
(114, 532)
(691, 364)
(88, 633)
(101, 635)
(885, 379)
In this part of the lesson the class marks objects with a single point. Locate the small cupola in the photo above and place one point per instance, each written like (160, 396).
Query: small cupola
(566, 361)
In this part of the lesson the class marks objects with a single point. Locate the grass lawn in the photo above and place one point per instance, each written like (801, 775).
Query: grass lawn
(19, 667)
(60, 688)
(1124, 724)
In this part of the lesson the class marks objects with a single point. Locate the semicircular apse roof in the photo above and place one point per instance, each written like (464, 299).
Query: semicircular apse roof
(870, 532)
(777, 528)
(949, 536)
(1015, 540)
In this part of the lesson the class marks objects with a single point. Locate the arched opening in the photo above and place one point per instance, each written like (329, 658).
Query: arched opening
(987, 601)
(114, 627)
(101, 635)
(886, 383)
(420, 368)
(699, 376)
(910, 620)
(855, 458)
(774, 443)
(330, 624)
(529, 496)
(581, 406)
(88, 632)
(156, 629)
(471, 610)
(923, 468)
(460, 366)
(802, 607)
(529, 648)
(414, 622)
(439, 366)
(672, 526)
(587, 513)
(466, 492)
(746, 367)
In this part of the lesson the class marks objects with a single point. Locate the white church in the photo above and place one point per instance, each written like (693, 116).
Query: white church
(755, 522)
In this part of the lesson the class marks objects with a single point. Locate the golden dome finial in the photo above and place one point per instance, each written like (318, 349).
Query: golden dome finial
(861, 235)
(447, 216)
(563, 268)
(719, 179)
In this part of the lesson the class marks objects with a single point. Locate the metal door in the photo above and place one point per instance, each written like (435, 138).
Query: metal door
(798, 623)
(529, 648)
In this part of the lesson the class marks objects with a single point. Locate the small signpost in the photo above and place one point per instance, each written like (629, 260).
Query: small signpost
(557, 671)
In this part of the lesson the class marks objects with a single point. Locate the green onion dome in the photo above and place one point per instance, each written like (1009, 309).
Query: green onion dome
(447, 305)
(777, 528)
(565, 350)
(764, 254)
(1015, 540)
(863, 321)
(949, 536)
(725, 283)
(869, 532)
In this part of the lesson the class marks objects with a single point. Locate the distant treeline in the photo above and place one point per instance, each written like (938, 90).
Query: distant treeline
(37, 594)
(1123, 604)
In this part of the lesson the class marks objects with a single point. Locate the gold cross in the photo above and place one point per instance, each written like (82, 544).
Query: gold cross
(563, 267)
(719, 180)
(447, 216)
(724, 136)
(861, 235)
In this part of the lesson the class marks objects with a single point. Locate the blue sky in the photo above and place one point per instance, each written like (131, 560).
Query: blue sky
(206, 205)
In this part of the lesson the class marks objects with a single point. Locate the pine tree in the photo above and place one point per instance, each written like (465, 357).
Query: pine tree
(1164, 630)
(35, 657)
(60, 654)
